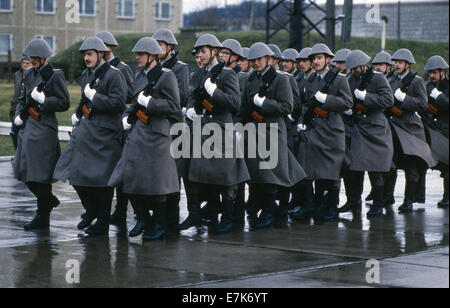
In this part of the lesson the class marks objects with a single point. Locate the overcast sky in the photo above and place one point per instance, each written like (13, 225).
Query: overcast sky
(193, 5)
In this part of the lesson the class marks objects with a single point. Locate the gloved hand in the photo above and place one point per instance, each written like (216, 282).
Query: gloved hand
(183, 111)
(361, 95)
(435, 93)
(301, 128)
(190, 114)
(321, 97)
(144, 100)
(38, 96)
(18, 121)
(89, 92)
(348, 112)
(259, 101)
(400, 95)
(75, 120)
(291, 118)
(210, 87)
(126, 125)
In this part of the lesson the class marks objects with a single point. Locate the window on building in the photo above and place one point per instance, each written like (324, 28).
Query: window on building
(49, 39)
(125, 8)
(162, 10)
(87, 7)
(5, 44)
(45, 6)
(6, 5)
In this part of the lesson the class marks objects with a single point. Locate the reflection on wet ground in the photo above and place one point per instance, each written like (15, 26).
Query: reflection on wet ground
(412, 249)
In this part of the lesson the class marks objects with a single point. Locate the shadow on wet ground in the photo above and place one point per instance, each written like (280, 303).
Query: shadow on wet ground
(412, 250)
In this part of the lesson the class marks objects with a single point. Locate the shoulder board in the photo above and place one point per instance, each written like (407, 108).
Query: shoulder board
(227, 69)
(376, 72)
(114, 68)
(343, 75)
(281, 72)
(418, 77)
(164, 69)
(123, 63)
(243, 73)
(182, 63)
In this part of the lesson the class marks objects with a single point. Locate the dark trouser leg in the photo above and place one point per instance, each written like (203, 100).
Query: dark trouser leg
(354, 189)
(157, 228)
(307, 210)
(103, 198)
(173, 210)
(298, 200)
(421, 186)
(377, 182)
(194, 218)
(332, 201)
(254, 201)
(87, 201)
(213, 203)
(141, 208)
(390, 180)
(282, 211)
(412, 175)
(228, 194)
(267, 217)
(43, 193)
(444, 203)
(239, 208)
(120, 213)
(13, 134)
(348, 178)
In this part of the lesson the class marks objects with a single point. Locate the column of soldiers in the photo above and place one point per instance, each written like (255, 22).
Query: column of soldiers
(331, 124)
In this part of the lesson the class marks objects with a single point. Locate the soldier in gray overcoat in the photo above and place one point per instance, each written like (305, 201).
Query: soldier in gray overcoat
(169, 60)
(219, 176)
(96, 144)
(412, 153)
(321, 149)
(120, 213)
(436, 118)
(44, 94)
(268, 101)
(147, 171)
(371, 147)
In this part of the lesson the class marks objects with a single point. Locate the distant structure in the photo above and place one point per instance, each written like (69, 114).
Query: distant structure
(23, 20)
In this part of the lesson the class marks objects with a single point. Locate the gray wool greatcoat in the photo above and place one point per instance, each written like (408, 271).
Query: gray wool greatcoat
(147, 166)
(38, 146)
(277, 106)
(127, 74)
(226, 101)
(409, 130)
(291, 125)
(372, 147)
(321, 150)
(437, 125)
(96, 143)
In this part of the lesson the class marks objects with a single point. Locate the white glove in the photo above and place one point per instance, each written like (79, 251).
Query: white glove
(18, 121)
(259, 101)
(361, 95)
(301, 128)
(183, 111)
(210, 87)
(400, 95)
(348, 112)
(144, 100)
(291, 118)
(321, 97)
(89, 92)
(38, 96)
(435, 93)
(190, 114)
(75, 120)
(126, 125)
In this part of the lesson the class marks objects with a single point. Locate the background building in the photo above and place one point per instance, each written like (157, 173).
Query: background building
(23, 20)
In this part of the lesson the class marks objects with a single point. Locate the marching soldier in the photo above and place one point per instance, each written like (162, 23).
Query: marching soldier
(269, 100)
(44, 93)
(146, 171)
(383, 64)
(372, 148)
(436, 119)
(322, 136)
(340, 59)
(120, 214)
(169, 59)
(216, 97)
(276, 57)
(96, 143)
(411, 152)
(230, 54)
(245, 65)
(290, 61)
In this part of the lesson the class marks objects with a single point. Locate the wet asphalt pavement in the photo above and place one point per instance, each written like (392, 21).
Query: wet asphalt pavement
(412, 249)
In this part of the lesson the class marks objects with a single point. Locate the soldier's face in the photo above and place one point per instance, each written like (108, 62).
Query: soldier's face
(26, 64)
(165, 48)
(305, 65)
(436, 75)
(199, 62)
(205, 55)
(289, 66)
(142, 59)
(320, 62)
(225, 55)
(401, 66)
(261, 64)
(382, 68)
(244, 65)
(91, 58)
(35, 62)
(341, 66)
(358, 71)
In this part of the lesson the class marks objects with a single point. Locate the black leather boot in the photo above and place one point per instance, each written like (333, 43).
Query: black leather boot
(143, 219)
(194, 219)
(410, 193)
(378, 206)
(41, 220)
(157, 228)
(307, 211)
(101, 227)
(444, 202)
(119, 217)
(267, 217)
(226, 221)
(173, 211)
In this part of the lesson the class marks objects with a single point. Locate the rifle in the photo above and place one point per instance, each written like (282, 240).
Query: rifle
(406, 82)
(366, 79)
(201, 92)
(315, 105)
(137, 111)
(32, 108)
(442, 86)
(267, 80)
